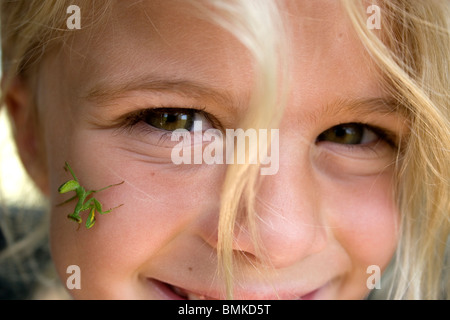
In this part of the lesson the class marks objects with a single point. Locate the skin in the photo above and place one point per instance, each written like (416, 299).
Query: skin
(325, 216)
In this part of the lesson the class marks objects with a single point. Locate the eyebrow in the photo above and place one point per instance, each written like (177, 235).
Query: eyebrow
(360, 107)
(367, 105)
(102, 93)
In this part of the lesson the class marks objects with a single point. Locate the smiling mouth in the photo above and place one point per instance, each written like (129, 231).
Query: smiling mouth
(171, 292)
(189, 295)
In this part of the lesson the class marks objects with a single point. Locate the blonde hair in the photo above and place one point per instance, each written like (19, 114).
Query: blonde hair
(414, 58)
(412, 53)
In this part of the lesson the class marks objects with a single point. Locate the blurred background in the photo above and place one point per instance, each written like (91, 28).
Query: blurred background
(25, 268)
(14, 183)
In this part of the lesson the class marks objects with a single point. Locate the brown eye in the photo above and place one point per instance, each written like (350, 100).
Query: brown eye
(170, 119)
(349, 133)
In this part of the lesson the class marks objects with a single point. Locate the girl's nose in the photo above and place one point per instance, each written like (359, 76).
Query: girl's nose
(289, 222)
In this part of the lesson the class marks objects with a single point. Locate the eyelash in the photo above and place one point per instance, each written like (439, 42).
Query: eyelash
(130, 121)
(383, 135)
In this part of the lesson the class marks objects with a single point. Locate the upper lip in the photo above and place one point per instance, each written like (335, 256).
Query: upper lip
(266, 293)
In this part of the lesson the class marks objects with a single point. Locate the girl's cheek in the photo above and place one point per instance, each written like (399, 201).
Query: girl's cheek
(158, 205)
(363, 221)
(366, 221)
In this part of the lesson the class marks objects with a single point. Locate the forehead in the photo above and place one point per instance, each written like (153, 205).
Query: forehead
(170, 39)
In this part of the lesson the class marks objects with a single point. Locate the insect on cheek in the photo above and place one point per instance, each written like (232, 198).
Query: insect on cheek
(85, 200)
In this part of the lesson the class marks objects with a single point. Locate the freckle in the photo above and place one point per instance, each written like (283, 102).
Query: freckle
(152, 174)
(190, 268)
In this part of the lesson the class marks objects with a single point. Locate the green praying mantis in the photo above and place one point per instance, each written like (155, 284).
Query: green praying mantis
(85, 202)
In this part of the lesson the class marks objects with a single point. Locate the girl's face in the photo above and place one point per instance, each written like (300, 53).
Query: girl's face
(324, 217)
